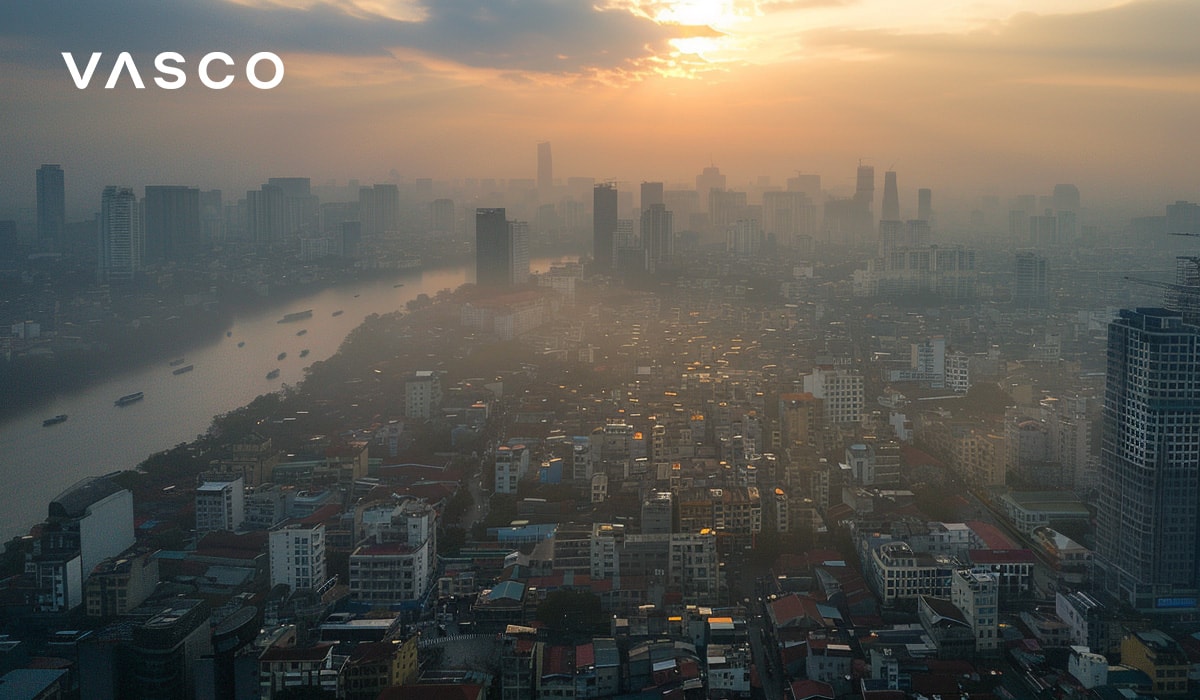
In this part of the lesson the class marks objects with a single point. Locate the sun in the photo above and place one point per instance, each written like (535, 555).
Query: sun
(718, 14)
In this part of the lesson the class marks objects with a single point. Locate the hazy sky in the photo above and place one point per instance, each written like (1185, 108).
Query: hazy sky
(1002, 96)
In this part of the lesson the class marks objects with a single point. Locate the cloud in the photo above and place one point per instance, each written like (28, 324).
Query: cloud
(512, 35)
(1139, 38)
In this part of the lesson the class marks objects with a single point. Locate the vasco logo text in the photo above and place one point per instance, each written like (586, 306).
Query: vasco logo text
(171, 75)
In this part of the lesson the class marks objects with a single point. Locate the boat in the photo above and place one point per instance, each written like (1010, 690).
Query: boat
(130, 398)
(241, 343)
(296, 316)
(357, 296)
(273, 374)
(397, 286)
(302, 331)
(339, 312)
(304, 352)
(176, 362)
(281, 356)
(55, 420)
(228, 334)
(183, 369)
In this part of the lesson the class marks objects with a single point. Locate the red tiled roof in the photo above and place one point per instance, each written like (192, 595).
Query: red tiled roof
(805, 689)
(1001, 556)
(991, 535)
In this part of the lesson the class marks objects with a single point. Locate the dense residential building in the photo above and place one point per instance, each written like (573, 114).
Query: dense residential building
(976, 594)
(840, 391)
(297, 556)
(512, 464)
(398, 566)
(422, 394)
(220, 505)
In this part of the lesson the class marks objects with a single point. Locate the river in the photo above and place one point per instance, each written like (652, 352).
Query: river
(37, 463)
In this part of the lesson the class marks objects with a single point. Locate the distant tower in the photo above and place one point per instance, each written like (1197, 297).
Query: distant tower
(545, 168)
(657, 236)
(120, 234)
(604, 224)
(172, 221)
(652, 193)
(864, 189)
(707, 181)
(1066, 198)
(924, 204)
(1030, 286)
(51, 204)
(891, 198)
(493, 257)
(518, 251)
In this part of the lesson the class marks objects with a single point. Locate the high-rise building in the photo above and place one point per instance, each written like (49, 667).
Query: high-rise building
(652, 193)
(891, 198)
(707, 181)
(518, 251)
(120, 234)
(924, 204)
(172, 221)
(657, 236)
(51, 204)
(1148, 516)
(493, 257)
(1029, 286)
(441, 215)
(604, 224)
(545, 168)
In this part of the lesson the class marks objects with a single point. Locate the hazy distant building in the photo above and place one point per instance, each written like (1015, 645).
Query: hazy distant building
(657, 237)
(518, 248)
(493, 259)
(604, 224)
(1066, 198)
(890, 210)
(172, 222)
(545, 168)
(1030, 286)
(652, 193)
(1148, 518)
(379, 209)
(441, 215)
(51, 204)
(119, 230)
(864, 193)
(1183, 217)
(925, 204)
(265, 217)
(788, 215)
(212, 218)
(808, 183)
(708, 180)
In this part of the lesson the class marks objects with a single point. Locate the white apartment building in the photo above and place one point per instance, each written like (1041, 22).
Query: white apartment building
(297, 555)
(220, 505)
(976, 594)
(840, 391)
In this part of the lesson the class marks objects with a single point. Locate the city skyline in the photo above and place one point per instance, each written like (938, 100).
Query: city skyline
(1002, 98)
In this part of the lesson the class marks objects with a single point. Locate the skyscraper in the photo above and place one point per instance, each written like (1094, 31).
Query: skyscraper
(518, 251)
(120, 234)
(51, 204)
(891, 198)
(604, 224)
(924, 204)
(652, 193)
(172, 221)
(657, 236)
(1148, 516)
(545, 168)
(493, 257)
